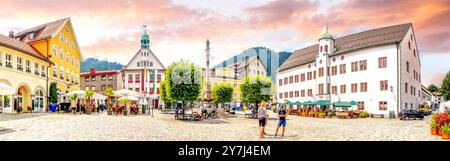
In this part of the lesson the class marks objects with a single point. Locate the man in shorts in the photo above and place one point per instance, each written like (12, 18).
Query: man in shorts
(281, 120)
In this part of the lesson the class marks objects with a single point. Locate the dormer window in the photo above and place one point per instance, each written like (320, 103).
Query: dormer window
(31, 36)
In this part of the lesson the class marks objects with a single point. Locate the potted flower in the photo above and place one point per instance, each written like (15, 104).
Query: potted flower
(19, 109)
(109, 92)
(29, 109)
(433, 127)
(445, 132)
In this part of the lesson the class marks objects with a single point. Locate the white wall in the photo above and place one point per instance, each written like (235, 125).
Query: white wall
(373, 75)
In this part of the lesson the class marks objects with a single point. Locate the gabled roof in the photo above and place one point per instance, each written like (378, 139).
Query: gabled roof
(366, 39)
(42, 32)
(20, 46)
(152, 54)
(47, 31)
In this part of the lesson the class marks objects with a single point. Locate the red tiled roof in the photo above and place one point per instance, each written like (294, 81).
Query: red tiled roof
(20, 46)
(42, 32)
(106, 72)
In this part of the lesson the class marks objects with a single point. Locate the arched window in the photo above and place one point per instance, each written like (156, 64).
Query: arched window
(326, 48)
(55, 70)
(320, 48)
(38, 100)
(61, 72)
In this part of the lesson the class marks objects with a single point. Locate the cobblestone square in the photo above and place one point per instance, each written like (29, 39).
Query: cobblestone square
(163, 127)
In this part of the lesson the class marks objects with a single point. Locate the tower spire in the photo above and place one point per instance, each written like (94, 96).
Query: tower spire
(145, 39)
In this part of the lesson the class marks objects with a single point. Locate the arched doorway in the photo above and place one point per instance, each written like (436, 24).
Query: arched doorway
(22, 98)
(38, 103)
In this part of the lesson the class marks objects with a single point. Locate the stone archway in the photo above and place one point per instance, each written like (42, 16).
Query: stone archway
(23, 97)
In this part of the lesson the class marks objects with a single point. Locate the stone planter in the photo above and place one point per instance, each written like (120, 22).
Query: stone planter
(109, 112)
(125, 112)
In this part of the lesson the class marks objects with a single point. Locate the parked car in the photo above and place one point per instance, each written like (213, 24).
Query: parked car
(411, 114)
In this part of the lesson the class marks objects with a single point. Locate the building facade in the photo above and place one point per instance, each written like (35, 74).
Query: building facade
(378, 68)
(25, 70)
(98, 81)
(57, 42)
(223, 76)
(144, 72)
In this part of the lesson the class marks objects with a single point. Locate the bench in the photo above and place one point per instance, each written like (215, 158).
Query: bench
(248, 113)
(377, 115)
(168, 111)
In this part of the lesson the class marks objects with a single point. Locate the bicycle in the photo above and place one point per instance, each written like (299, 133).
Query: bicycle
(206, 115)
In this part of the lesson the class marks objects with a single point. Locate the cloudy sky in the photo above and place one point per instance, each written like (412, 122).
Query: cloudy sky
(110, 30)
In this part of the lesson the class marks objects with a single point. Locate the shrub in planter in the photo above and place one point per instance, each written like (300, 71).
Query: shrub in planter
(29, 109)
(19, 109)
(330, 114)
(445, 132)
(433, 127)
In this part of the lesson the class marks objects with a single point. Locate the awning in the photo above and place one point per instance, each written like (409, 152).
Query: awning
(342, 104)
(309, 103)
(298, 103)
(323, 103)
(288, 103)
(354, 103)
(6, 89)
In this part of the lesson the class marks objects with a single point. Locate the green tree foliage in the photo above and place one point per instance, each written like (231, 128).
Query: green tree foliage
(433, 88)
(53, 93)
(164, 94)
(222, 93)
(109, 92)
(99, 65)
(255, 89)
(184, 81)
(445, 89)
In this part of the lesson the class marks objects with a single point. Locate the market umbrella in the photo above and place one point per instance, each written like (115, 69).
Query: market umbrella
(354, 103)
(298, 103)
(126, 92)
(79, 93)
(323, 103)
(129, 97)
(6, 89)
(308, 103)
(288, 103)
(342, 104)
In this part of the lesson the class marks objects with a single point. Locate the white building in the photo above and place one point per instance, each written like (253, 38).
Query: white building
(378, 68)
(144, 72)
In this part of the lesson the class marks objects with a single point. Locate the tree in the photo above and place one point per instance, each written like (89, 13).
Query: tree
(184, 81)
(89, 94)
(222, 93)
(433, 88)
(53, 93)
(164, 94)
(109, 92)
(255, 89)
(445, 88)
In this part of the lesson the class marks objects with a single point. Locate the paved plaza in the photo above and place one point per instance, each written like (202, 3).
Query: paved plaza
(54, 126)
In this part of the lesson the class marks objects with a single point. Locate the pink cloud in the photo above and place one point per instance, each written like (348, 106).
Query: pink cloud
(437, 78)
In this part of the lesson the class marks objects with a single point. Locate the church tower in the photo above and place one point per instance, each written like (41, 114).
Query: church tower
(145, 39)
(326, 48)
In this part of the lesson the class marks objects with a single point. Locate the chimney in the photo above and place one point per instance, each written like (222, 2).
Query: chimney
(11, 34)
(92, 71)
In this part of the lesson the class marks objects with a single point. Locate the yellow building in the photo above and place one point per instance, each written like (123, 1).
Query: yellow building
(224, 76)
(23, 77)
(57, 41)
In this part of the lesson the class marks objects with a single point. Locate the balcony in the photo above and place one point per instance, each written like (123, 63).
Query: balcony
(20, 68)
(8, 65)
(36, 72)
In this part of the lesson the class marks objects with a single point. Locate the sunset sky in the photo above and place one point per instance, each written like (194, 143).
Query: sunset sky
(110, 30)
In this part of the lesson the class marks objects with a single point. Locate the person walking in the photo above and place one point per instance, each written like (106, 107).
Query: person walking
(96, 106)
(262, 116)
(281, 120)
